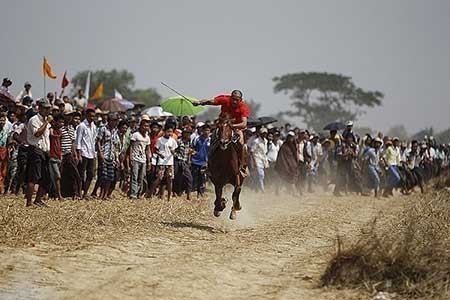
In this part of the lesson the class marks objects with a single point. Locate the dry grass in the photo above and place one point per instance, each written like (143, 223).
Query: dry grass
(409, 255)
(69, 223)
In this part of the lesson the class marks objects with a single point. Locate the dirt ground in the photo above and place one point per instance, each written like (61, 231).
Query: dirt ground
(276, 249)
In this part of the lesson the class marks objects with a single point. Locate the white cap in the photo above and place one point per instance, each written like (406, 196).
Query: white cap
(200, 124)
(263, 130)
(349, 123)
(145, 118)
(291, 133)
(68, 110)
(253, 129)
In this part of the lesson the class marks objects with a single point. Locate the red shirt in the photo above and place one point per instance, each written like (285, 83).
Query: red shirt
(55, 143)
(237, 113)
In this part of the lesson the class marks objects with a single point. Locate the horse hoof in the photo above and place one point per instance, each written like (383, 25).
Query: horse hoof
(217, 213)
(233, 215)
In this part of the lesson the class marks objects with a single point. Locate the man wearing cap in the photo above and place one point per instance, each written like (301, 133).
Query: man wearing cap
(234, 108)
(107, 142)
(197, 132)
(86, 137)
(349, 130)
(26, 92)
(258, 156)
(38, 137)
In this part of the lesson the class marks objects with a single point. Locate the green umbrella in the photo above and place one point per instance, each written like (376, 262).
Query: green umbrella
(181, 106)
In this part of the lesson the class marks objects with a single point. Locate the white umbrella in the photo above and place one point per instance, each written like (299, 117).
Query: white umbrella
(155, 111)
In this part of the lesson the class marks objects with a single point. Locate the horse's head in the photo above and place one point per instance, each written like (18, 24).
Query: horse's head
(224, 133)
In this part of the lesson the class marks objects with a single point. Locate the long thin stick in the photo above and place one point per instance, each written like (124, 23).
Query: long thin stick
(173, 90)
(45, 89)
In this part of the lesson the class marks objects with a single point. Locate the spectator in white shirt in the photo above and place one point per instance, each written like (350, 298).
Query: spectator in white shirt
(314, 151)
(80, 101)
(38, 136)
(24, 93)
(86, 137)
(6, 83)
(165, 148)
(140, 157)
(258, 151)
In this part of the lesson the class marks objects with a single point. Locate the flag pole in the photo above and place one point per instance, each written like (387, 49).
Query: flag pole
(45, 88)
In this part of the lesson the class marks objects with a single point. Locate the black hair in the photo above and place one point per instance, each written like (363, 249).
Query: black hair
(59, 117)
(123, 122)
(237, 92)
(27, 99)
(89, 110)
(30, 113)
(168, 126)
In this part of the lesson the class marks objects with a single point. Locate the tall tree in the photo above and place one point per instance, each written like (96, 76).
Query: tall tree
(150, 97)
(443, 137)
(398, 131)
(254, 108)
(321, 98)
(121, 80)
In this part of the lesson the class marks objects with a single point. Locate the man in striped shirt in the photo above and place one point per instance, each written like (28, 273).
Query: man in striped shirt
(70, 178)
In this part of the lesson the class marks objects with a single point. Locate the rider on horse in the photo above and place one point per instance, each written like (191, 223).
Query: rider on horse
(234, 108)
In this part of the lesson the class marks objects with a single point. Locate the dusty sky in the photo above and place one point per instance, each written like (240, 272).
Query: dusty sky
(205, 47)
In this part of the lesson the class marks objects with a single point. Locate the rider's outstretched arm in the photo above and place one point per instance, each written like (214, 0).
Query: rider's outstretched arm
(204, 102)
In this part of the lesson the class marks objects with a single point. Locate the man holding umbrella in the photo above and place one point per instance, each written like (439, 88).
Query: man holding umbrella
(232, 107)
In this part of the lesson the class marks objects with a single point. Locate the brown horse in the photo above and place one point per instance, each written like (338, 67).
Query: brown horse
(223, 167)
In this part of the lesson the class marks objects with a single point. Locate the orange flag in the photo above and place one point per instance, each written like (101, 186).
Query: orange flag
(98, 92)
(48, 69)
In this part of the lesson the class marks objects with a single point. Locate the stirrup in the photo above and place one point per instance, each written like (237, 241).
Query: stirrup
(235, 138)
(244, 171)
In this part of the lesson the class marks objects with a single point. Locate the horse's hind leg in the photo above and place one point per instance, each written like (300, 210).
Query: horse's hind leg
(236, 203)
(220, 203)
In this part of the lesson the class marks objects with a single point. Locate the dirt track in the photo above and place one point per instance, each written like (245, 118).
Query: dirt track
(276, 249)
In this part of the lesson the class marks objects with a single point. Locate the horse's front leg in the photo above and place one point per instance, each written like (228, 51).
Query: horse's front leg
(220, 203)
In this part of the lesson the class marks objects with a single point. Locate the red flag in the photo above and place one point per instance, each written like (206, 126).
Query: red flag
(65, 81)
